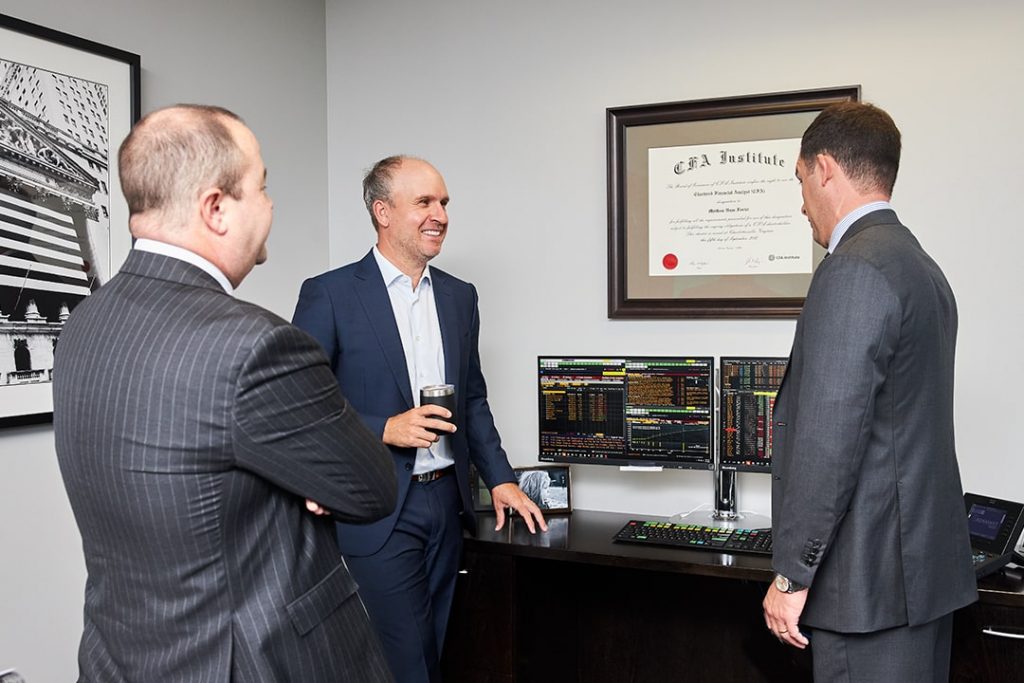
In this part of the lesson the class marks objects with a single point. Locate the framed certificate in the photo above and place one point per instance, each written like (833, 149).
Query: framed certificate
(704, 209)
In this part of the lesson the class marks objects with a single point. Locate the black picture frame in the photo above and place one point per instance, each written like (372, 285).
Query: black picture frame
(632, 132)
(65, 104)
(549, 486)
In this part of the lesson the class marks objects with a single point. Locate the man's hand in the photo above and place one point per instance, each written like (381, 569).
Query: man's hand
(782, 615)
(509, 495)
(409, 429)
(316, 508)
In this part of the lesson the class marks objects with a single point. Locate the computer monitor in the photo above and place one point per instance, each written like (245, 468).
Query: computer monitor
(748, 386)
(626, 410)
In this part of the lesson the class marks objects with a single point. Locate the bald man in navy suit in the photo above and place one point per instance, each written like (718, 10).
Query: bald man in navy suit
(391, 325)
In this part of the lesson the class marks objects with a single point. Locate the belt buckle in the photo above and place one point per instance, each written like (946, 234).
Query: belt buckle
(430, 476)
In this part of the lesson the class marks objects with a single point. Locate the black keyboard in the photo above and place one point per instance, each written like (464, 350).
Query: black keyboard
(756, 541)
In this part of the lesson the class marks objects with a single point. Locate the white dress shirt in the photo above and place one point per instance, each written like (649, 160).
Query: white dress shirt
(418, 325)
(155, 247)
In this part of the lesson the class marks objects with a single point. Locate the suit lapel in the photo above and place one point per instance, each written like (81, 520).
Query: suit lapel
(447, 316)
(373, 297)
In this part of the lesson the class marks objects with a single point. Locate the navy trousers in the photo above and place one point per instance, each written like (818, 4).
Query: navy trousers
(408, 585)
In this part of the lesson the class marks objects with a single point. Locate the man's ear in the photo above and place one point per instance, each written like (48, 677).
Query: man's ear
(381, 211)
(211, 209)
(825, 167)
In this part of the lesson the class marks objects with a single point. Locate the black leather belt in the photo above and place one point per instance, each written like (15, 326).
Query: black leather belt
(434, 475)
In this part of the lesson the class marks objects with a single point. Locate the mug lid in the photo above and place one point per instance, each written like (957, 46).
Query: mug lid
(438, 390)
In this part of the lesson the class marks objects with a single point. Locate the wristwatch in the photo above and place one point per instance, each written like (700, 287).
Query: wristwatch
(784, 585)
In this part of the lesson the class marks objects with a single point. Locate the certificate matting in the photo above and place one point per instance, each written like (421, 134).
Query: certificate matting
(633, 291)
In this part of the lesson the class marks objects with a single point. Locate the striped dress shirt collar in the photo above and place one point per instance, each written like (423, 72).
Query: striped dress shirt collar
(851, 218)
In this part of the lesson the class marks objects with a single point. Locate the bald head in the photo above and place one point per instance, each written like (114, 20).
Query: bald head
(377, 184)
(194, 177)
(172, 155)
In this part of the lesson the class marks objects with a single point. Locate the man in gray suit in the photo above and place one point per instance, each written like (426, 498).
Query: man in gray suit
(191, 426)
(871, 545)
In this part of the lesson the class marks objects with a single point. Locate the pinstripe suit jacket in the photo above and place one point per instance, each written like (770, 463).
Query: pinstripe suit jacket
(189, 428)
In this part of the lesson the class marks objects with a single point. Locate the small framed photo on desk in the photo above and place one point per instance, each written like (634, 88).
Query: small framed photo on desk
(549, 486)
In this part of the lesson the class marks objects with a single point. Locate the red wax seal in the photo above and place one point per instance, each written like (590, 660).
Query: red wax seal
(670, 261)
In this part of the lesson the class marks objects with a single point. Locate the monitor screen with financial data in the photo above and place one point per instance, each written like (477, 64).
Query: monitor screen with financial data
(625, 410)
(748, 386)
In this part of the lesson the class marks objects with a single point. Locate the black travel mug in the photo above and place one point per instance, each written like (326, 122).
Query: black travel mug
(439, 395)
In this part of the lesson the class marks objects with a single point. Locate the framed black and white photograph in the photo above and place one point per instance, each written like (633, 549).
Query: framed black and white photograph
(65, 105)
(548, 486)
(704, 213)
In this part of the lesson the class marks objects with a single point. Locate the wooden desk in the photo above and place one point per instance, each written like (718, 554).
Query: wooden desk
(571, 605)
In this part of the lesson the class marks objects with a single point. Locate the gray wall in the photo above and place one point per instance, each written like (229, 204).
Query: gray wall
(508, 99)
(264, 60)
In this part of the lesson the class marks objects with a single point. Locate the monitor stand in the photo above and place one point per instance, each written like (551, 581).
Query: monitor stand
(726, 513)
(725, 496)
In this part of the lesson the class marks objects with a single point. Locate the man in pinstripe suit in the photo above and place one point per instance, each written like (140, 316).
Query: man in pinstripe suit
(191, 426)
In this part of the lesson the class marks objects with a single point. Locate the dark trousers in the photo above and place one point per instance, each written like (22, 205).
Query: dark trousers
(906, 654)
(408, 585)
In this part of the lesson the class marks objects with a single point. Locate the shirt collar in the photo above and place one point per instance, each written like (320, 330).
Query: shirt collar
(176, 252)
(851, 218)
(390, 272)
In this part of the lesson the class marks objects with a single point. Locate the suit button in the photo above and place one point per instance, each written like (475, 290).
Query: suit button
(408, 466)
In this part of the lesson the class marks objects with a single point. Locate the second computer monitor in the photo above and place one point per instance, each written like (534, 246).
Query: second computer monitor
(745, 428)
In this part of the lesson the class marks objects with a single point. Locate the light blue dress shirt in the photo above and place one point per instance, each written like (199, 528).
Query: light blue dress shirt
(418, 325)
(851, 218)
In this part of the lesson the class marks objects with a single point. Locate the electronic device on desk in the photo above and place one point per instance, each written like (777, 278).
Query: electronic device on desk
(626, 410)
(994, 525)
(748, 386)
(697, 537)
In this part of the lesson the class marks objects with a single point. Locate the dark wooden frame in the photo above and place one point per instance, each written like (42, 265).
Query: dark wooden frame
(750, 108)
(89, 49)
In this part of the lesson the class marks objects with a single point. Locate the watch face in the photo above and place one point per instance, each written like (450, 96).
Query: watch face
(782, 583)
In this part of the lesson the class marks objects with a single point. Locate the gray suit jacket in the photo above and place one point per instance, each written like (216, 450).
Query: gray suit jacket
(190, 426)
(867, 505)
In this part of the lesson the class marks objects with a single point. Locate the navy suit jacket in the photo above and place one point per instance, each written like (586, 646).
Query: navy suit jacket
(349, 312)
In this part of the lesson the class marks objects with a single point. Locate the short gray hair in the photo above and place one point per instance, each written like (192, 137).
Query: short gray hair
(174, 154)
(377, 182)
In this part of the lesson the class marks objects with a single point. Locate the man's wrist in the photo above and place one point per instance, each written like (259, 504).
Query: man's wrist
(784, 585)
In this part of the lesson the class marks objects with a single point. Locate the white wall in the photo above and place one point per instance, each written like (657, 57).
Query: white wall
(509, 99)
(264, 60)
